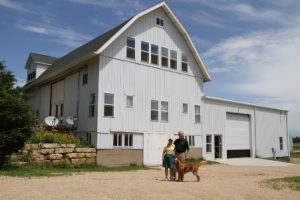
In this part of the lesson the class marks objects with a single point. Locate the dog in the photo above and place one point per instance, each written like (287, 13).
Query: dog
(183, 168)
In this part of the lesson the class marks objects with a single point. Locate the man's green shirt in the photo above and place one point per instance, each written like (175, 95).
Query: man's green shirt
(181, 145)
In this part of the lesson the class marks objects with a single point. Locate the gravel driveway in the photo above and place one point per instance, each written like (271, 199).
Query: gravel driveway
(217, 182)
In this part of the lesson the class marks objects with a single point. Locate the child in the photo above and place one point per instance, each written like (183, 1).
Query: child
(168, 158)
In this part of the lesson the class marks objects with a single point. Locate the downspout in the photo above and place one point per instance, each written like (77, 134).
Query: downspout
(255, 130)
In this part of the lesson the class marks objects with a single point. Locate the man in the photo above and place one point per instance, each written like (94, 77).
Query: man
(181, 147)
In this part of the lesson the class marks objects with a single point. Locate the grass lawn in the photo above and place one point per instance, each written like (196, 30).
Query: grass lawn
(31, 171)
(292, 183)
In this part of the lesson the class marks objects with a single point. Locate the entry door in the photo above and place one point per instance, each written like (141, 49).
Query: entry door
(218, 146)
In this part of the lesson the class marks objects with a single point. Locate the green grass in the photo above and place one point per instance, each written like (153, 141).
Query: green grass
(296, 145)
(193, 160)
(292, 183)
(280, 159)
(62, 170)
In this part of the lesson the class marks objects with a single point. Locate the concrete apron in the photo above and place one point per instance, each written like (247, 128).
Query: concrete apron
(253, 162)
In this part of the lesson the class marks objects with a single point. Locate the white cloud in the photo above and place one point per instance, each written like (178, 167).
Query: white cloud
(65, 36)
(264, 64)
(13, 5)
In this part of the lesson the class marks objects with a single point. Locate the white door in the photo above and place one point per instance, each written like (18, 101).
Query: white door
(237, 135)
(153, 147)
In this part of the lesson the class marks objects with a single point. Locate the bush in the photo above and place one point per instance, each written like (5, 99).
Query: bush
(43, 136)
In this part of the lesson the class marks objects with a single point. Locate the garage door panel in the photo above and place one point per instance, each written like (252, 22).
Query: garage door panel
(237, 132)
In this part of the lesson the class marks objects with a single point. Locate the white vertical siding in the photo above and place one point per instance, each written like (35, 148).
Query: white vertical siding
(40, 69)
(146, 82)
(57, 96)
(45, 102)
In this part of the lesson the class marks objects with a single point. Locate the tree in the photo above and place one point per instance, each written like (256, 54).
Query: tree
(15, 115)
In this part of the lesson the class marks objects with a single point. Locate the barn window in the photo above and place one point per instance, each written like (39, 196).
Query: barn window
(173, 61)
(281, 143)
(191, 140)
(129, 101)
(185, 108)
(164, 57)
(154, 54)
(159, 22)
(208, 143)
(123, 140)
(92, 105)
(108, 105)
(85, 75)
(130, 48)
(145, 51)
(184, 63)
(154, 110)
(197, 114)
(164, 111)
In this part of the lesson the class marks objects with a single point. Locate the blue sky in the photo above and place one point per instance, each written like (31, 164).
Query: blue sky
(250, 48)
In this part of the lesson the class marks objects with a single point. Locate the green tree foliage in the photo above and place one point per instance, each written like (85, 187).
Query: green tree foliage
(15, 116)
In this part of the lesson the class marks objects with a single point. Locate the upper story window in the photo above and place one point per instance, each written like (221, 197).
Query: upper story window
(92, 105)
(185, 108)
(173, 61)
(164, 111)
(159, 21)
(184, 63)
(154, 54)
(129, 101)
(108, 105)
(145, 51)
(208, 143)
(130, 48)
(154, 110)
(281, 143)
(164, 57)
(85, 75)
(197, 114)
(31, 76)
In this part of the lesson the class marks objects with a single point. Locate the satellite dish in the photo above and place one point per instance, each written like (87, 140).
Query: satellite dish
(51, 121)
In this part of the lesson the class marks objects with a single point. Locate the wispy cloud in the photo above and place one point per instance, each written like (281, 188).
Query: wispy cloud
(119, 7)
(98, 23)
(65, 36)
(13, 5)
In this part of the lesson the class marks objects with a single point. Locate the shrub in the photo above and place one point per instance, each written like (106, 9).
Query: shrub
(44, 136)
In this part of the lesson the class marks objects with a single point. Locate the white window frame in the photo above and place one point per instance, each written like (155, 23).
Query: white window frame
(160, 23)
(184, 62)
(121, 140)
(154, 110)
(164, 111)
(109, 104)
(197, 114)
(127, 105)
(191, 140)
(153, 54)
(130, 48)
(145, 51)
(164, 56)
(173, 58)
(208, 143)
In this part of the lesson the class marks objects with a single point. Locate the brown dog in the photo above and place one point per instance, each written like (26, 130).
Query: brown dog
(183, 168)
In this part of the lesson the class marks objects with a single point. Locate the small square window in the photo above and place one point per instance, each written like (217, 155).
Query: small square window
(129, 101)
(159, 22)
(185, 108)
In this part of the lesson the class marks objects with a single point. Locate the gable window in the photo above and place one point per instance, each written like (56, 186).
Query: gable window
(159, 21)
(130, 48)
(281, 143)
(85, 75)
(191, 140)
(197, 114)
(208, 143)
(154, 110)
(31, 76)
(108, 105)
(185, 108)
(164, 57)
(154, 54)
(164, 111)
(173, 61)
(184, 63)
(92, 105)
(129, 101)
(145, 51)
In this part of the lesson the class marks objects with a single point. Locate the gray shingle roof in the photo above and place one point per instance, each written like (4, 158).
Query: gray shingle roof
(42, 58)
(80, 52)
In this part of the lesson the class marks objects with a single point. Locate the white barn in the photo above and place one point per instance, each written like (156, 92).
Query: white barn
(136, 84)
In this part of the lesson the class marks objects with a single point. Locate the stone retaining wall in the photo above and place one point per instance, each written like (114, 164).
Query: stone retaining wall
(56, 154)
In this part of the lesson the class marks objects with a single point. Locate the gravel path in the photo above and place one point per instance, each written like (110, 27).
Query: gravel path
(217, 182)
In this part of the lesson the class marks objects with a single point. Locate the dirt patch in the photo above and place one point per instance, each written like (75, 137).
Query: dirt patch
(217, 182)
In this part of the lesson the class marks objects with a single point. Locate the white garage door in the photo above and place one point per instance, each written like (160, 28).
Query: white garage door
(237, 135)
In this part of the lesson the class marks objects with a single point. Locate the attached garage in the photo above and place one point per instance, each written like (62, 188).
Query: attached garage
(237, 135)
